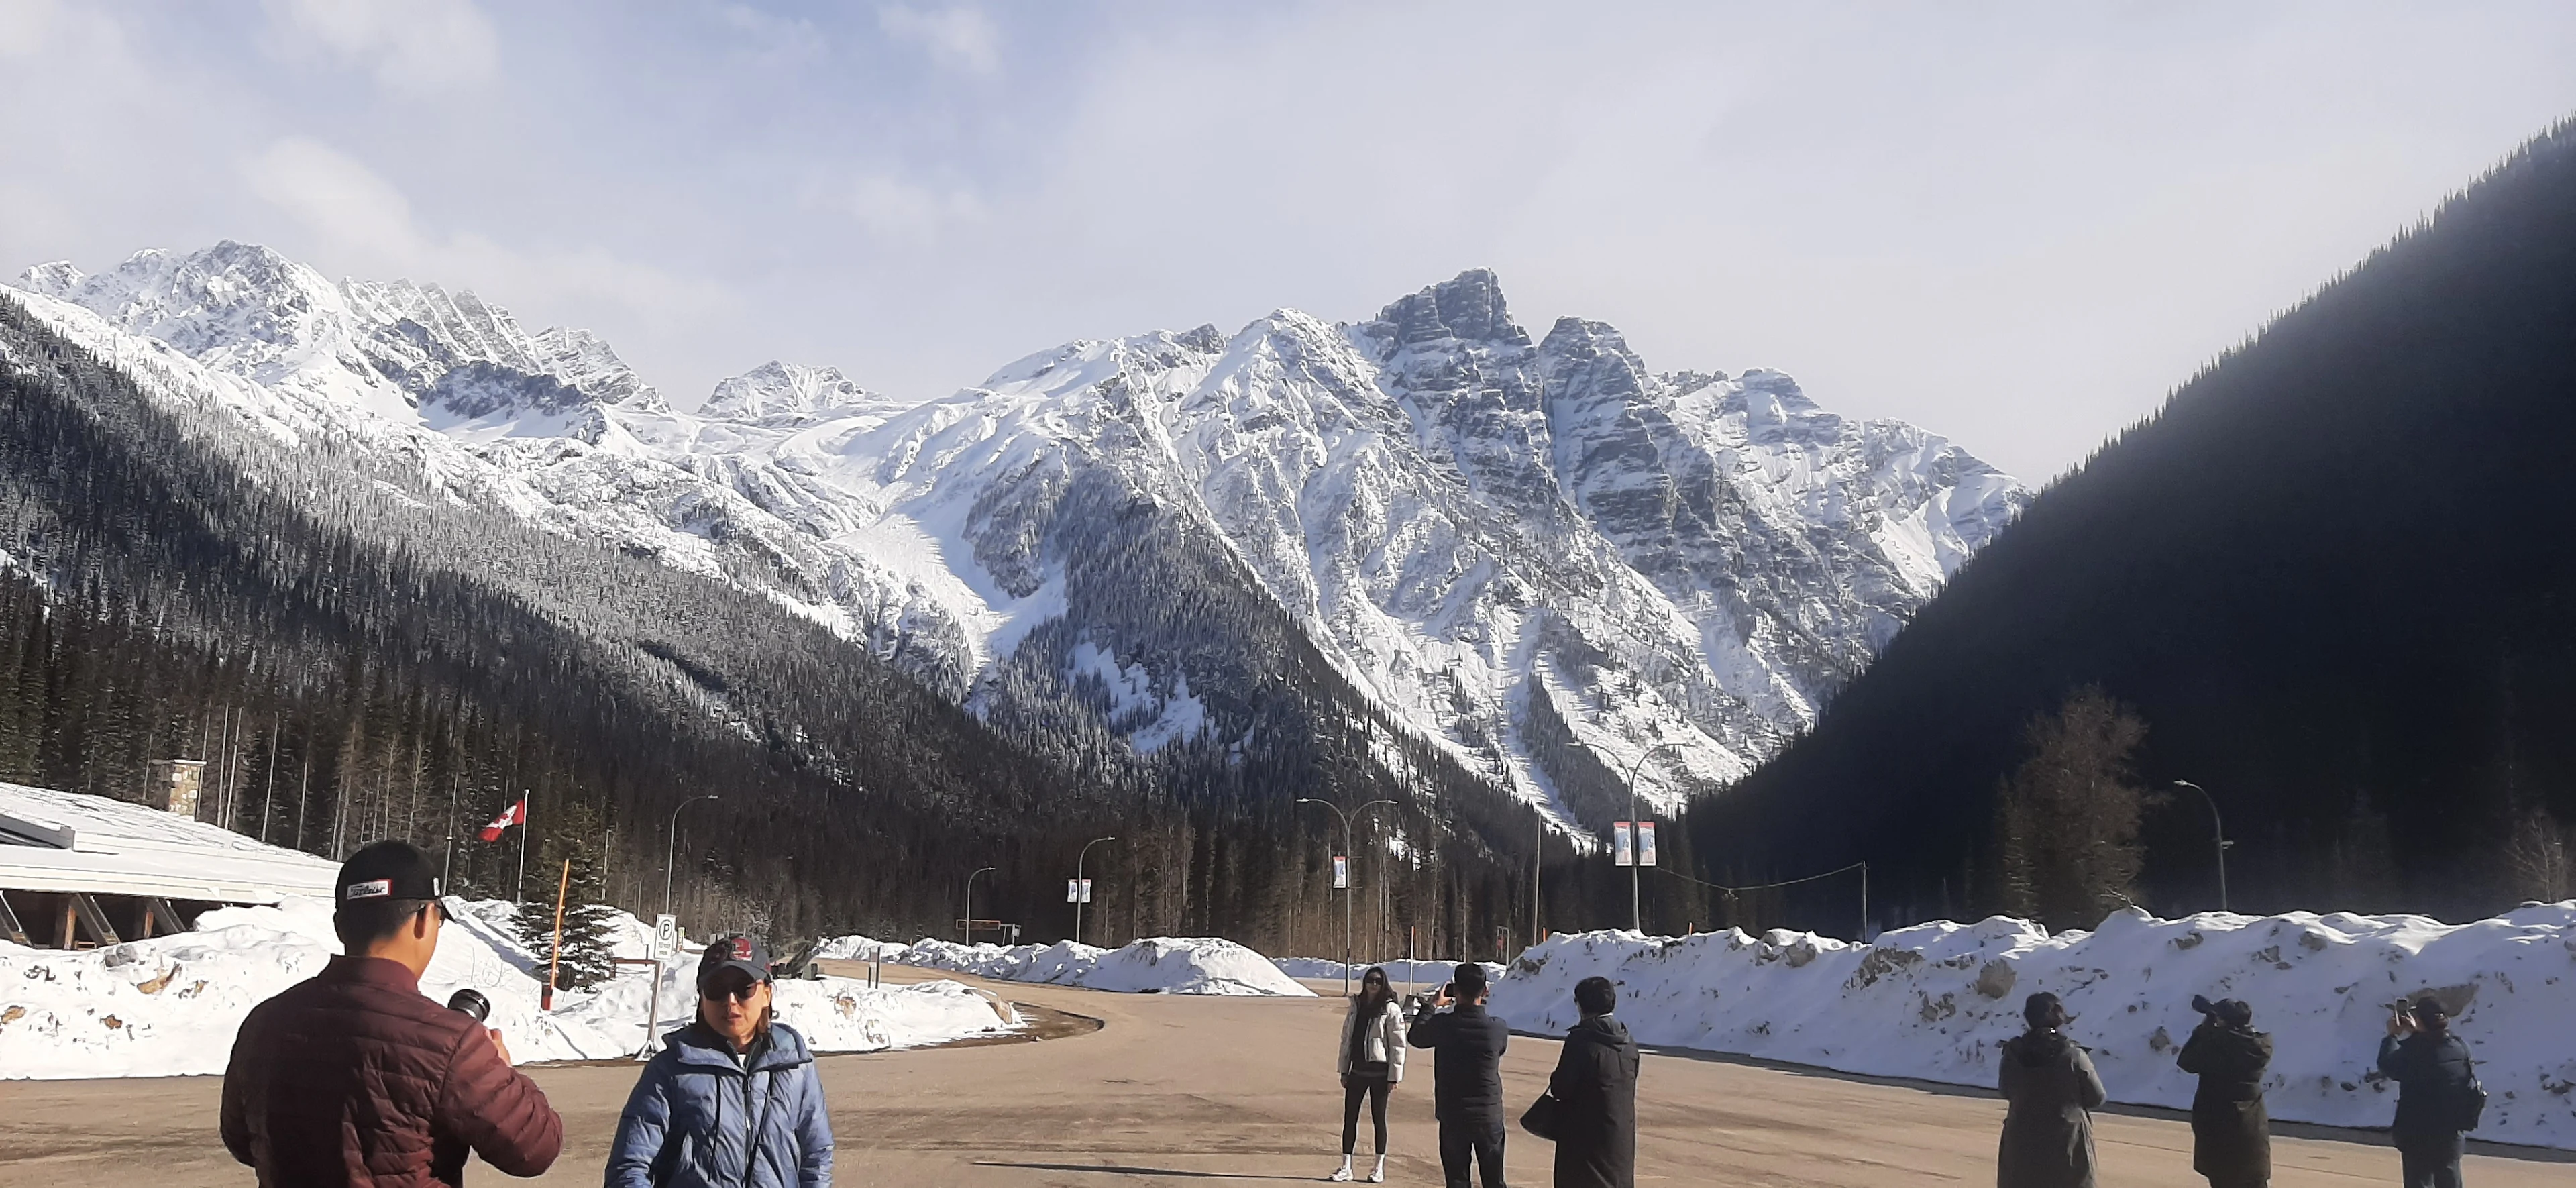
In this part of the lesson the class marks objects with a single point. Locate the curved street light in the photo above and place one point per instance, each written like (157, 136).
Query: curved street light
(1077, 884)
(967, 931)
(671, 849)
(1348, 856)
(2218, 834)
(1636, 906)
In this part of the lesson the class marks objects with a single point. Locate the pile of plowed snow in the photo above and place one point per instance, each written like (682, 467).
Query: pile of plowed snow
(171, 1005)
(1421, 975)
(1934, 1001)
(1159, 965)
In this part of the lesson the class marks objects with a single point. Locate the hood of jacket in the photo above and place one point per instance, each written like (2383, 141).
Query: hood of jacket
(2037, 1049)
(1605, 1030)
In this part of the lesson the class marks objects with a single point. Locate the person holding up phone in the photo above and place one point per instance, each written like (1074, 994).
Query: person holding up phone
(1466, 1076)
(2435, 1090)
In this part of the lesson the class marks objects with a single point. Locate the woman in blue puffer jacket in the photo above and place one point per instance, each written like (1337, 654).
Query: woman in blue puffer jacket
(732, 1101)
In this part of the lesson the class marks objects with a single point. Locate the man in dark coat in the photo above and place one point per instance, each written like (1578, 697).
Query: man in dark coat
(2433, 1074)
(352, 1078)
(1466, 1076)
(2231, 1132)
(1595, 1086)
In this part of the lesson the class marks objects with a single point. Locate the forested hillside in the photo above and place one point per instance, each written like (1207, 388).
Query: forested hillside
(358, 654)
(2331, 579)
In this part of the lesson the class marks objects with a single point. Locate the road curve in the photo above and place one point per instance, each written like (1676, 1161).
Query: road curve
(1176, 1090)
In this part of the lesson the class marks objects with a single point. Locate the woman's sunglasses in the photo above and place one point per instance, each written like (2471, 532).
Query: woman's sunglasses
(741, 993)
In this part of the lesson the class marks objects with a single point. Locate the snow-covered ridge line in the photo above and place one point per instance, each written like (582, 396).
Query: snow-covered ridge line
(1934, 1001)
(1157, 965)
(170, 1006)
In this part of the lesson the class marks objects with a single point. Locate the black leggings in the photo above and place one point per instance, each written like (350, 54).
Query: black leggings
(1355, 1087)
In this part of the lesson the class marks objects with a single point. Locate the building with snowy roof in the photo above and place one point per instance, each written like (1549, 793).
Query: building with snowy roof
(79, 870)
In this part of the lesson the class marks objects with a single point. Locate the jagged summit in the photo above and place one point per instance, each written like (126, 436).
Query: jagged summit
(776, 389)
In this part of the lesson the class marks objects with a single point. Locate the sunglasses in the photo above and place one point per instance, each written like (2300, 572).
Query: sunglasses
(741, 993)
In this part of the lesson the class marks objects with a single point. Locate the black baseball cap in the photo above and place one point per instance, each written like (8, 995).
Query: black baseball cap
(385, 870)
(733, 952)
(1469, 978)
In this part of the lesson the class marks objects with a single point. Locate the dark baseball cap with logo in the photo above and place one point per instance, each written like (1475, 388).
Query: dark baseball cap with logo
(385, 870)
(733, 952)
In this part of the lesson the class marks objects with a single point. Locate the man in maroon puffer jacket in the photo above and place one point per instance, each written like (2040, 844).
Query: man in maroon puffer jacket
(352, 1078)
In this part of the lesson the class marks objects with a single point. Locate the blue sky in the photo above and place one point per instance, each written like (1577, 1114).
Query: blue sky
(2015, 224)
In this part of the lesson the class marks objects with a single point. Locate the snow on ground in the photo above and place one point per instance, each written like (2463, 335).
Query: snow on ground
(171, 1005)
(1933, 1001)
(1423, 975)
(1159, 965)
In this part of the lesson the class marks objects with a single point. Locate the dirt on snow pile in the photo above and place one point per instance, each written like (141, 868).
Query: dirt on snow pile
(1934, 1001)
(171, 1005)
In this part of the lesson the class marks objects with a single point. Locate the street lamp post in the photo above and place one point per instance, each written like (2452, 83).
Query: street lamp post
(1077, 884)
(2218, 834)
(1351, 858)
(671, 849)
(1636, 904)
(966, 929)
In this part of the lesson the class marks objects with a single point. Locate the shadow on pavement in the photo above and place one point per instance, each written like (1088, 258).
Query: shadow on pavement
(1119, 1170)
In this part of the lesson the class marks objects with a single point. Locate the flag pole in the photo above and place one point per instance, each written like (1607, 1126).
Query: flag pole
(522, 894)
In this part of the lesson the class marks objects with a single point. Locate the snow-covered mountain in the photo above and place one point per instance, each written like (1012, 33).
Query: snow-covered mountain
(1540, 556)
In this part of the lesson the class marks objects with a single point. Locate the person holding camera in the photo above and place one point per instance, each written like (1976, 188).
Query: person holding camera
(2231, 1131)
(732, 1100)
(2050, 1086)
(1595, 1087)
(1466, 1076)
(352, 1077)
(1371, 1063)
(2438, 1098)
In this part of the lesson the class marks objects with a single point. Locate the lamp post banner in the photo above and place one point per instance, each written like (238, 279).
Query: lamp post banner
(1645, 843)
(1622, 852)
(1341, 872)
(1077, 890)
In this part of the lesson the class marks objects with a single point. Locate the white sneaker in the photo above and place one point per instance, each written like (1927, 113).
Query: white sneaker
(1377, 1175)
(1341, 1175)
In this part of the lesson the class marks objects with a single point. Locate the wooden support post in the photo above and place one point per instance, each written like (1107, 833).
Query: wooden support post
(554, 961)
(91, 915)
(159, 916)
(9, 926)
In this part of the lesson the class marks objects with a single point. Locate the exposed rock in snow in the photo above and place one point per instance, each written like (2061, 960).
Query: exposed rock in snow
(785, 390)
(1934, 1001)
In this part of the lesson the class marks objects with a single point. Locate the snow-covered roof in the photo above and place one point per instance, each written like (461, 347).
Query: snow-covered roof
(71, 841)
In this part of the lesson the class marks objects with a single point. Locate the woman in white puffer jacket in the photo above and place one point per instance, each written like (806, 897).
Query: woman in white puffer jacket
(1371, 1063)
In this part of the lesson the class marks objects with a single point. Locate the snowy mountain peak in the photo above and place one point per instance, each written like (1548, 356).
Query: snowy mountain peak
(1468, 307)
(775, 390)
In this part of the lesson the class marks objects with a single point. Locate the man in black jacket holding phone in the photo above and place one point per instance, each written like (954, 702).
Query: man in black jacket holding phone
(1466, 1075)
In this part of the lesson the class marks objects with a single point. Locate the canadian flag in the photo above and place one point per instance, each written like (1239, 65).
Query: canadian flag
(516, 814)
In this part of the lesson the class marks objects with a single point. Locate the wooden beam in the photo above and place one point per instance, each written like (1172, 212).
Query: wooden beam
(90, 914)
(159, 916)
(9, 926)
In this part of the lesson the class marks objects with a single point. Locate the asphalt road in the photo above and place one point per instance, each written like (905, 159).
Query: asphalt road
(1176, 1090)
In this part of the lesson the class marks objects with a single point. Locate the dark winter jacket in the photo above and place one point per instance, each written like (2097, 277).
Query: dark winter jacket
(1467, 1062)
(2231, 1132)
(1595, 1085)
(700, 1119)
(2432, 1073)
(351, 1077)
(2051, 1088)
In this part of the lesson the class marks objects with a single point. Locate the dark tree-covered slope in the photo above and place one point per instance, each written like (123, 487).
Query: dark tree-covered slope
(2336, 574)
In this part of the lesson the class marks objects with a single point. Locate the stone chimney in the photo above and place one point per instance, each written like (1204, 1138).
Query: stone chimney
(172, 786)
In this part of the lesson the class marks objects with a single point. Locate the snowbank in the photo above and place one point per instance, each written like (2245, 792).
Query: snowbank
(1160, 965)
(170, 1006)
(1423, 975)
(1933, 1001)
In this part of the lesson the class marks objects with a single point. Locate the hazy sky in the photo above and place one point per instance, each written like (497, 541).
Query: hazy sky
(2017, 225)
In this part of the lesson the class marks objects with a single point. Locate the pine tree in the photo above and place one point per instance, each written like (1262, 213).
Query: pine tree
(2069, 814)
(589, 939)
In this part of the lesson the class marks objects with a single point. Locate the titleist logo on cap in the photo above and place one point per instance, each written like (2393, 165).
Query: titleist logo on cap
(371, 889)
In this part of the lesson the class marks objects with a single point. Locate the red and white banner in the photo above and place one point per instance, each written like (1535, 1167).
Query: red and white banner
(516, 814)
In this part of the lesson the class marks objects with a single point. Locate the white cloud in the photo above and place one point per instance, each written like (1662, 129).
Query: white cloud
(958, 38)
(896, 211)
(412, 46)
(23, 26)
(356, 219)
